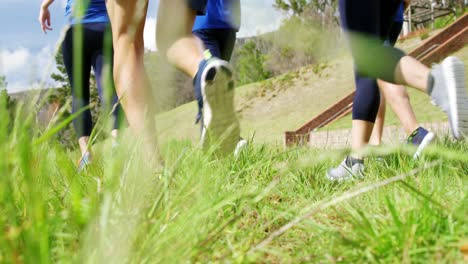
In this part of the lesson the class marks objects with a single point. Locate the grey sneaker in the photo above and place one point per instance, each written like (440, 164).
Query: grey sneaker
(220, 123)
(449, 94)
(345, 171)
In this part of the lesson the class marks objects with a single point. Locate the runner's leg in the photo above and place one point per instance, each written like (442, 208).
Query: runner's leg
(128, 20)
(102, 57)
(78, 75)
(174, 34)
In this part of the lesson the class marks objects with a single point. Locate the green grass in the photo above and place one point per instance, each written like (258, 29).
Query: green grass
(285, 103)
(196, 209)
(199, 209)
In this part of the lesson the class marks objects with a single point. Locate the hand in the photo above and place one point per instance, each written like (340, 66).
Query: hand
(44, 19)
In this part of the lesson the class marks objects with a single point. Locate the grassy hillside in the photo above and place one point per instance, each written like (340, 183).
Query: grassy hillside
(285, 103)
(124, 209)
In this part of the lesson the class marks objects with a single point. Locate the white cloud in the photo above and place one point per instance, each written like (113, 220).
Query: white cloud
(259, 17)
(149, 34)
(24, 69)
(13, 60)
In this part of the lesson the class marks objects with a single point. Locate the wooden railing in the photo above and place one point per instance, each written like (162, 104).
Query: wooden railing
(434, 49)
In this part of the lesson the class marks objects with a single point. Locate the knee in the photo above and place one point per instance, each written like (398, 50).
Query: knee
(126, 42)
(384, 68)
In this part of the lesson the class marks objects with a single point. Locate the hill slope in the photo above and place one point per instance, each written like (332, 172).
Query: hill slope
(284, 103)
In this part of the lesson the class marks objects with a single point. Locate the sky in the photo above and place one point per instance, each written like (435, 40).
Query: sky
(26, 53)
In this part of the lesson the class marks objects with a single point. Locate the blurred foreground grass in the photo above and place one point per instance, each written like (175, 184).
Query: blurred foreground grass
(199, 209)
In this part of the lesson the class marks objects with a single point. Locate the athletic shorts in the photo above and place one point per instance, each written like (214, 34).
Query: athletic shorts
(198, 5)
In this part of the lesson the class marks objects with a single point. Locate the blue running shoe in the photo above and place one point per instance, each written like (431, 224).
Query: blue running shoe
(420, 138)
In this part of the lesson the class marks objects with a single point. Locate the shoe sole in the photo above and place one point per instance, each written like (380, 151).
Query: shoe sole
(241, 145)
(221, 126)
(424, 143)
(454, 73)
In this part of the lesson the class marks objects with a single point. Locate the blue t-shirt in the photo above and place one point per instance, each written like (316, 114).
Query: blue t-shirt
(220, 14)
(399, 14)
(96, 11)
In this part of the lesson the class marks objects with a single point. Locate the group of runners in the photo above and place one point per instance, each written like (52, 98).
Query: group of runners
(198, 37)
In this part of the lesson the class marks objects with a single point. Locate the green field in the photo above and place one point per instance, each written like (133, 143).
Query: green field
(285, 103)
(196, 209)
(267, 205)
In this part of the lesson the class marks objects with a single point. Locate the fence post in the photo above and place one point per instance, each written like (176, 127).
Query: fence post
(410, 22)
(432, 14)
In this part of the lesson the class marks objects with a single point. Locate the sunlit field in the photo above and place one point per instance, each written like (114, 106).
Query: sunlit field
(266, 205)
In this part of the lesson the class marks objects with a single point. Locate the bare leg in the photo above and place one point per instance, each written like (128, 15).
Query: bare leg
(114, 134)
(412, 73)
(360, 135)
(174, 36)
(399, 100)
(132, 85)
(377, 132)
(83, 143)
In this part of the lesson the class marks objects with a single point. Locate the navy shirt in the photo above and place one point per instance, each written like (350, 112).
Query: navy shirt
(94, 11)
(220, 14)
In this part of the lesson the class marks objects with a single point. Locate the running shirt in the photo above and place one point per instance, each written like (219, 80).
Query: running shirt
(220, 14)
(96, 11)
(399, 13)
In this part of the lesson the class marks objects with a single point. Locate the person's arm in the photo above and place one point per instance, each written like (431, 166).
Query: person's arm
(44, 15)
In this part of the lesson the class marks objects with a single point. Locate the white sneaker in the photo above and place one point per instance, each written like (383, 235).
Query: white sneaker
(449, 93)
(241, 145)
(220, 123)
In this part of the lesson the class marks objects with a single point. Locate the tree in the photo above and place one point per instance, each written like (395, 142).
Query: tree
(7, 103)
(295, 6)
(3, 83)
(322, 11)
(250, 66)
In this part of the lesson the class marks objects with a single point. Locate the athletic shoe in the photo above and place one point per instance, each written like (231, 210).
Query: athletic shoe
(346, 171)
(84, 162)
(448, 92)
(220, 126)
(420, 138)
(241, 145)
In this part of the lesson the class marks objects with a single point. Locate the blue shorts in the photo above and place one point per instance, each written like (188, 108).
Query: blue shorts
(219, 41)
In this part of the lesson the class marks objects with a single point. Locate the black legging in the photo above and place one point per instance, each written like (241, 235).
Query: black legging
(92, 55)
(367, 24)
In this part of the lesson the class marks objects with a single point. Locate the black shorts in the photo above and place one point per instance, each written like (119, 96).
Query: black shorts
(198, 5)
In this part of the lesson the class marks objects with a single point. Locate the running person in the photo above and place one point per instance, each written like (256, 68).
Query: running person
(444, 83)
(399, 100)
(217, 29)
(93, 23)
(212, 76)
